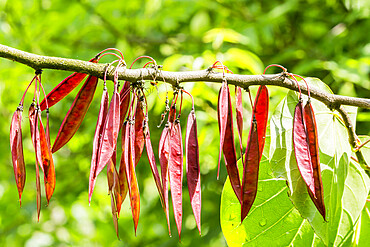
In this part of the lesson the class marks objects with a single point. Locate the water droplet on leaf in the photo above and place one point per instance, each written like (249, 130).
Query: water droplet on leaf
(263, 222)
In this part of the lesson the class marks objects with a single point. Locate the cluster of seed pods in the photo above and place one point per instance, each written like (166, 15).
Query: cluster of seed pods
(127, 113)
(171, 161)
(41, 142)
(246, 189)
(305, 142)
(306, 149)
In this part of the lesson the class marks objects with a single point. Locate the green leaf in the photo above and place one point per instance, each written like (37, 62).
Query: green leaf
(362, 237)
(356, 190)
(272, 220)
(218, 35)
(245, 60)
(365, 150)
(334, 158)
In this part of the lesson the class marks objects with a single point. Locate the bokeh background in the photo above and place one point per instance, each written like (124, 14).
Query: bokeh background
(328, 39)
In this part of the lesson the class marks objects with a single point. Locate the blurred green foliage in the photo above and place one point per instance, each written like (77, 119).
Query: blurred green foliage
(326, 39)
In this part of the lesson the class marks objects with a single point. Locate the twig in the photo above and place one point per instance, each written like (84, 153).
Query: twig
(45, 62)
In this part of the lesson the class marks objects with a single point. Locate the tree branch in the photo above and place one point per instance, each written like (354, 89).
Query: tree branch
(45, 62)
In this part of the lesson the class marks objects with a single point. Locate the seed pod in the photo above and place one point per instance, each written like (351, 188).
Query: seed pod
(222, 108)
(110, 172)
(193, 168)
(261, 111)
(163, 160)
(139, 131)
(122, 176)
(35, 133)
(97, 140)
(175, 165)
(76, 113)
(250, 170)
(153, 166)
(239, 115)
(124, 96)
(229, 148)
(301, 149)
(109, 134)
(114, 215)
(131, 175)
(35, 136)
(16, 147)
(318, 197)
(47, 163)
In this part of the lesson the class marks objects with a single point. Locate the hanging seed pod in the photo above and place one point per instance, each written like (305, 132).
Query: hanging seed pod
(139, 130)
(318, 197)
(47, 163)
(97, 139)
(152, 163)
(35, 136)
(16, 147)
(125, 101)
(301, 148)
(239, 115)
(193, 168)
(122, 176)
(250, 170)
(175, 171)
(76, 113)
(229, 145)
(163, 160)
(131, 174)
(254, 150)
(109, 134)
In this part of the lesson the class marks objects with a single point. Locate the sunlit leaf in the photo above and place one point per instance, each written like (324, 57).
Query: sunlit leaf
(272, 220)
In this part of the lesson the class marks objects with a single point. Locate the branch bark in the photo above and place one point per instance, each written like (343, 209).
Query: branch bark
(45, 62)
(333, 102)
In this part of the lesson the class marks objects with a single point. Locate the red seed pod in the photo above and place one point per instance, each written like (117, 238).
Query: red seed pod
(38, 192)
(113, 189)
(222, 108)
(239, 115)
(47, 163)
(109, 134)
(125, 101)
(131, 175)
(172, 114)
(139, 131)
(230, 153)
(35, 136)
(76, 113)
(301, 149)
(122, 176)
(117, 189)
(97, 140)
(254, 150)
(310, 122)
(64, 88)
(193, 168)
(16, 147)
(114, 214)
(261, 111)
(175, 166)
(110, 172)
(35, 133)
(153, 166)
(250, 170)
(164, 150)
